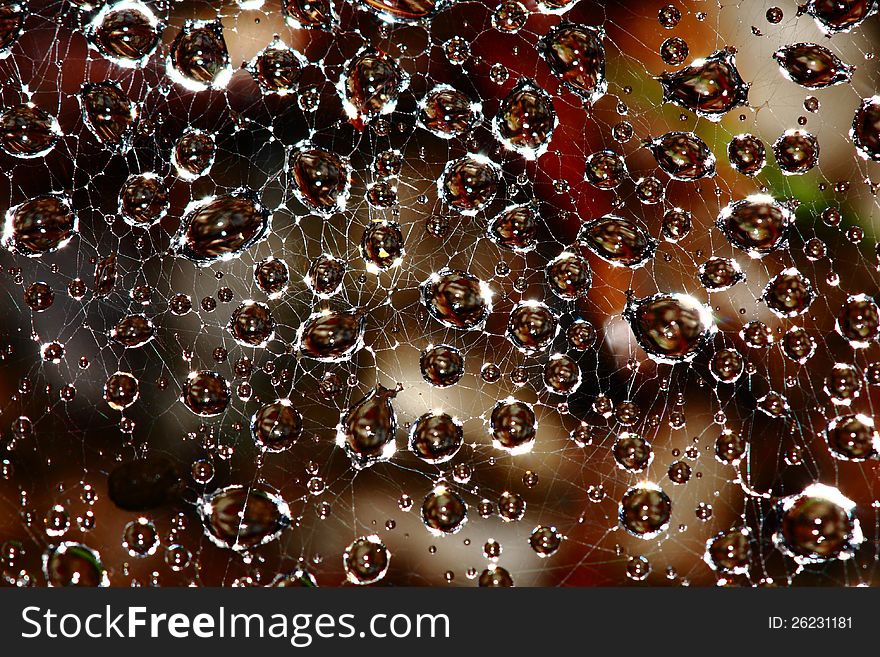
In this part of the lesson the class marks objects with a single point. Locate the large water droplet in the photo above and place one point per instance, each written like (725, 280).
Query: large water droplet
(729, 552)
(859, 321)
(366, 430)
(789, 293)
(865, 131)
(127, 33)
(277, 68)
(199, 58)
(576, 55)
(796, 152)
(747, 154)
(852, 438)
(27, 131)
(133, 331)
(457, 299)
(757, 224)
(74, 564)
(252, 325)
(469, 183)
(515, 228)
(569, 276)
(709, 87)
(443, 511)
(243, 517)
(683, 155)
(143, 200)
(382, 245)
(645, 510)
(371, 84)
(308, 14)
(513, 426)
(366, 560)
(618, 241)
(321, 179)
(834, 16)
(671, 328)
(108, 113)
(276, 426)
(447, 112)
(41, 225)
(206, 393)
(441, 365)
(817, 525)
(222, 227)
(525, 119)
(812, 66)
(331, 336)
(717, 274)
(532, 326)
(436, 437)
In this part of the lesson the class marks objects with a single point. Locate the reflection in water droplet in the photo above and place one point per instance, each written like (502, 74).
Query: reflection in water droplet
(242, 517)
(576, 56)
(709, 87)
(817, 525)
(366, 430)
(366, 560)
(671, 328)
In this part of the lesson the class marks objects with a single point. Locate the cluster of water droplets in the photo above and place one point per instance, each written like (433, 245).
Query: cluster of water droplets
(472, 282)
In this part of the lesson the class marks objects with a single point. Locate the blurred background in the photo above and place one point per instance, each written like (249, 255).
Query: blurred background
(56, 463)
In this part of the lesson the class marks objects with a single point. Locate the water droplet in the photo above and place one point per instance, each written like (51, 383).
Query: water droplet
(143, 200)
(193, 154)
(276, 426)
(812, 66)
(747, 154)
(133, 331)
(447, 112)
(834, 16)
(717, 274)
(442, 365)
(513, 426)
(457, 299)
(683, 155)
(796, 152)
(26, 131)
(469, 183)
(865, 130)
(436, 437)
(532, 326)
(443, 511)
(817, 525)
(127, 33)
(618, 241)
(243, 517)
(709, 87)
(366, 430)
(371, 84)
(671, 328)
(321, 179)
(221, 227)
(199, 58)
(645, 510)
(331, 336)
(757, 224)
(74, 564)
(252, 325)
(366, 560)
(569, 276)
(382, 245)
(206, 393)
(576, 56)
(632, 452)
(525, 120)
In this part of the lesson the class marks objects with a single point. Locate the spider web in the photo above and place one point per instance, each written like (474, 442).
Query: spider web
(55, 473)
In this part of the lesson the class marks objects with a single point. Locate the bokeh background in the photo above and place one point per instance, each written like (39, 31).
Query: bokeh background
(55, 474)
